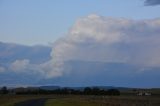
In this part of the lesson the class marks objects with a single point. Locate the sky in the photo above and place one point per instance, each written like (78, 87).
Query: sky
(80, 43)
(35, 22)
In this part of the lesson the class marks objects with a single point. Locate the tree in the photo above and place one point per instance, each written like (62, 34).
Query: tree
(87, 90)
(96, 91)
(113, 92)
(4, 90)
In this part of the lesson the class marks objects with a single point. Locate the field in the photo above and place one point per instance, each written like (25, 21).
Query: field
(81, 100)
(104, 101)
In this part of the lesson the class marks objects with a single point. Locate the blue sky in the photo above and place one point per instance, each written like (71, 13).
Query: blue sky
(33, 22)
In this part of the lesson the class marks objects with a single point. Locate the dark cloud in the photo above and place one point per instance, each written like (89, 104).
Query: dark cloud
(10, 52)
(152, 2)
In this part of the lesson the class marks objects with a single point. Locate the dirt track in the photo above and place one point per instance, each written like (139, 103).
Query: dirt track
(34, 102)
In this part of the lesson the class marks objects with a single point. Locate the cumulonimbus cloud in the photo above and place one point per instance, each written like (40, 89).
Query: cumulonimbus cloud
(152, 2)
(106, 39)
(99, 39)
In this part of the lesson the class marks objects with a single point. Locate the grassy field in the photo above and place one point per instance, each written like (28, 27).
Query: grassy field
(75, 100)
(104, 101)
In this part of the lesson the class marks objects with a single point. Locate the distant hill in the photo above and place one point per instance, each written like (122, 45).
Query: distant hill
(49, 87)
(82, 88)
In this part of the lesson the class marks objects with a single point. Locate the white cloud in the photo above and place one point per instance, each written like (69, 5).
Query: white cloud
(44, 70)
(97, 38)
(19, 65)
(49, 71)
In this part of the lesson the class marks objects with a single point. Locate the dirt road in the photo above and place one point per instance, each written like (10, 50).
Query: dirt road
(34, 102)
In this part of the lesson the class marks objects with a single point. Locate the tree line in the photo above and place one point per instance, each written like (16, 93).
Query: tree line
(63, 91)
